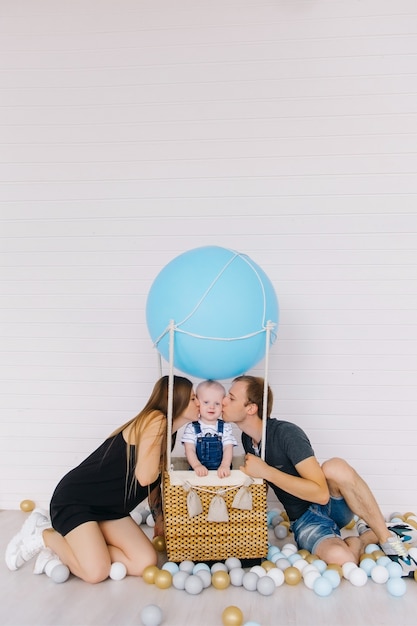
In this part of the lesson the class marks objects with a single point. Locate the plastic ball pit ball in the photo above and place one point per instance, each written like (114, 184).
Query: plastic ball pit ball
(159, 544)
(118, 571)
(266, 586)
(149, 573)
(151, 615)
(220, 579)
(232, 616)
(163, 579)
(27, 505)
(193, 584)
(396, 587)
(322, 587)
(60, 573)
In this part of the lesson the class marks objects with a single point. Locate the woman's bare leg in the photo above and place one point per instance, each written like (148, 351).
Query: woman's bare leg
(90, 549)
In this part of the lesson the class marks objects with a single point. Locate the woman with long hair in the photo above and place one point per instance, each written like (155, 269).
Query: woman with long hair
(90, 526)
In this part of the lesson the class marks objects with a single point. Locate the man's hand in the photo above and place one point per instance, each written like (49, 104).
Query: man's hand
(254, 466)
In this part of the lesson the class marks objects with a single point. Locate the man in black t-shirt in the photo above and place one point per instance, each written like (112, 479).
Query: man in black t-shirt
(320, 500)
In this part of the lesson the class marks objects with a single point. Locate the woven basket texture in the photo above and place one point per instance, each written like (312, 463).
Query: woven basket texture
(244, 536)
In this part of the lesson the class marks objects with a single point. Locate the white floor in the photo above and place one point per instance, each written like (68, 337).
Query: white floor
(29, 600)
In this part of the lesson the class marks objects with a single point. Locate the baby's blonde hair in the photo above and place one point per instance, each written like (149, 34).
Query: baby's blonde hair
(205, 384)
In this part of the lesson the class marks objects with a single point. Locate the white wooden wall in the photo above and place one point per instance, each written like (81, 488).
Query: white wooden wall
(133, 131)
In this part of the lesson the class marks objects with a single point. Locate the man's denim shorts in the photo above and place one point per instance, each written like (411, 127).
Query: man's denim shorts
(321, 522)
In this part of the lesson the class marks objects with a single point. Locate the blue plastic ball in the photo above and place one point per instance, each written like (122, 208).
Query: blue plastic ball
(220, 302)
(396, 586)
(332, 576)
(322, 586)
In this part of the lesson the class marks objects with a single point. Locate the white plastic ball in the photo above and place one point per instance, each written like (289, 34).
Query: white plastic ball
(396, 586)
(280, 531)
(347, 568)
(150, 521)
(232, 562)
(60, 573)
(118, 571)
(193, 584)
(250, 581)
(309, 568)
(322, 587)
(218, 567)
(151, 615)
(310, 578)
(251, 624)
(259, 570)
(289, 548)
(301, 564)
(282, 563)
(205, 577)
(358, 577)
(380, 574)
(179, 578)
(265, 586)
(277, 576)
(186, 566)
(236, 576)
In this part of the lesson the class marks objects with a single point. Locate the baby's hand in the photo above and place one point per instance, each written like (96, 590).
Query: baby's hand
(201, 470)
(223, 471)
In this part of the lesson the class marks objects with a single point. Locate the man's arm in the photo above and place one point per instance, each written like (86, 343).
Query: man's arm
(311, 485)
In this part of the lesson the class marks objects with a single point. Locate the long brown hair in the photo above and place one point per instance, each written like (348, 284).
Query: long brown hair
(156, 406)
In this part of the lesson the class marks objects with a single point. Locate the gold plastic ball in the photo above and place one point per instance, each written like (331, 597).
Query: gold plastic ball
(232, 616)
(27, 505)
(149, 574)
(284, 516)
(377, 554)
(337, 568)
(351, 524)
(408, 514)
(267, 565)
(220, 579)
(365, 555)
(304, 553)
(159, 544)
(311, 558)
(292, 575)
(415, 574)
(163, 579)
(411, 522)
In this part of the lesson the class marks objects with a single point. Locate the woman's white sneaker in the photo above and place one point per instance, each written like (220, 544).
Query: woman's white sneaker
(28, 541)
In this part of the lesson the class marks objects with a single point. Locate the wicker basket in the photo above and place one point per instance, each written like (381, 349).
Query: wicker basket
(244, 536)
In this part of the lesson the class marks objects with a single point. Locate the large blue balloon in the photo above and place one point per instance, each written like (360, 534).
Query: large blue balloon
(220, 302)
